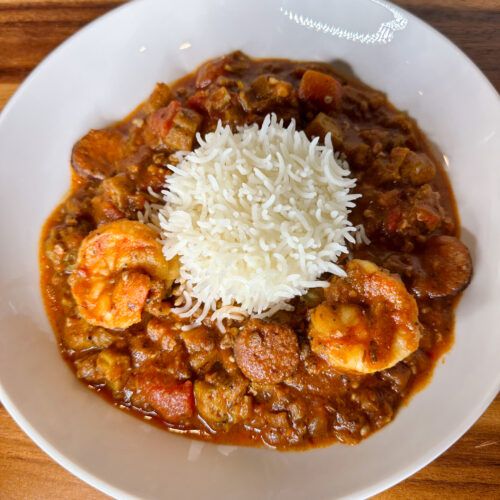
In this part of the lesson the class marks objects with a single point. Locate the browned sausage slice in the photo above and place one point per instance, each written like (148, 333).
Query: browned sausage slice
(447, 268)
(96, 154)
(266, 353)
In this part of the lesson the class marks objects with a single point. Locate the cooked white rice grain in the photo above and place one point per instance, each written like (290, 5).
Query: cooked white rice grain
(256, 217)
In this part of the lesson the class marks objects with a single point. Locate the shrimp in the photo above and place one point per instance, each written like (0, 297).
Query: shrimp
(116, 267)
(368, 323)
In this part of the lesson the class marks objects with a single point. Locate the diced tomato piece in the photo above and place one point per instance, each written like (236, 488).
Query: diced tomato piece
(428, 216)
(392, 220)
(321, 89)
(173, 401)
(162, 119)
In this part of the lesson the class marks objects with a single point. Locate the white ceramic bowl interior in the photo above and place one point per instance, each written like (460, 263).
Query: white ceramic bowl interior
(97, 77)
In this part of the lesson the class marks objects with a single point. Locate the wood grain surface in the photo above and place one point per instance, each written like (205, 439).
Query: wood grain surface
(29, 30)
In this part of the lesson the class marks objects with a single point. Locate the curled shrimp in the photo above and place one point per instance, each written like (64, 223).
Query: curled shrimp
(116, 267)
(369, 321)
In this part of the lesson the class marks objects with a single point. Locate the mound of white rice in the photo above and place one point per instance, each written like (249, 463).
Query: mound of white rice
(255, 217)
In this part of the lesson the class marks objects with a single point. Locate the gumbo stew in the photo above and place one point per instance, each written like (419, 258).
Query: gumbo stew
(328, 371)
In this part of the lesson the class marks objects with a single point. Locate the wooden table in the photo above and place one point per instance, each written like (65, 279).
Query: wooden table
(31, 29)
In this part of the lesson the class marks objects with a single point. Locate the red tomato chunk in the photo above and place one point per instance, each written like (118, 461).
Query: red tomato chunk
(321, 89)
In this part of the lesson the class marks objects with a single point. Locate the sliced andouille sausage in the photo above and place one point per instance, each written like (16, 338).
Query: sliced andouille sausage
(447, 268)
(97, 154)
(266, 353)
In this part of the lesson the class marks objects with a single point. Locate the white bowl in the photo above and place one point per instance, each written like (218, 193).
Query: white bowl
(98, 76)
